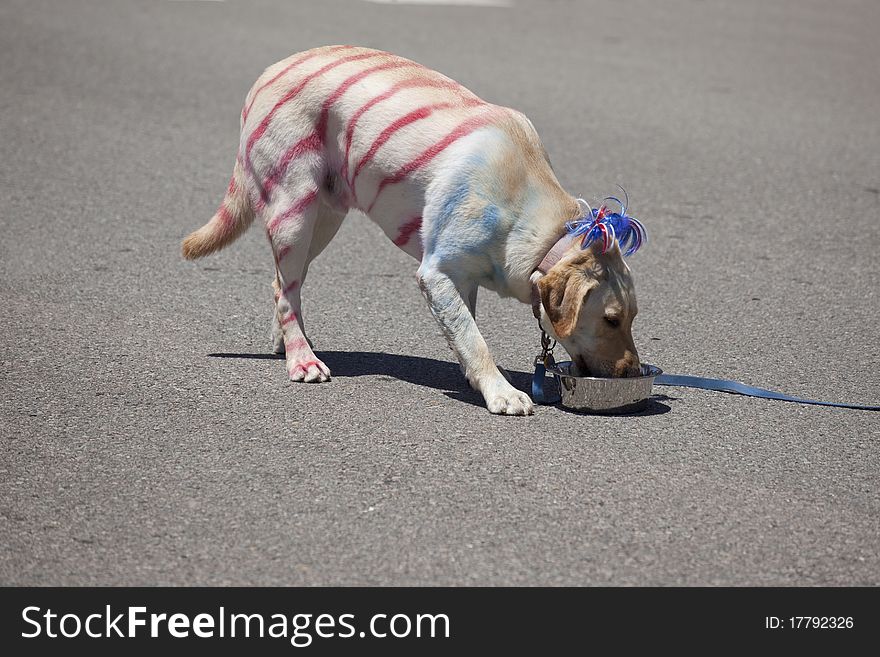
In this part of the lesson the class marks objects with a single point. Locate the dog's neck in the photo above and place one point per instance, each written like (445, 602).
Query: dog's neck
(565, 208)
(554, 255)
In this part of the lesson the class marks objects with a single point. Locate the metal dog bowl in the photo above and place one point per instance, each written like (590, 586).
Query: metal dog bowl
(590, 394)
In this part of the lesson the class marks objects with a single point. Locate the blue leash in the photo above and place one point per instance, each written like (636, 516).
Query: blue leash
(720, 385)
(737, 388)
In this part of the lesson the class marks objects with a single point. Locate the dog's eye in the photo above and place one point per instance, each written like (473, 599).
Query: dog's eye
(613, 322)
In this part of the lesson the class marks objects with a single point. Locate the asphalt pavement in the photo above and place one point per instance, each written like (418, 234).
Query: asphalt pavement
(148, 435)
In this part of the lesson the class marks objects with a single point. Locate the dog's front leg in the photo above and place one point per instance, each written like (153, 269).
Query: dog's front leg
(446, 301)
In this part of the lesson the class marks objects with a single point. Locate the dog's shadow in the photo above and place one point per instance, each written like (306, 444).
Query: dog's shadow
(441, 375)
(427, 372)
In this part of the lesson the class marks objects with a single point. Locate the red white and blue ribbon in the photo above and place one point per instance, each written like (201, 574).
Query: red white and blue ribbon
(605, 224)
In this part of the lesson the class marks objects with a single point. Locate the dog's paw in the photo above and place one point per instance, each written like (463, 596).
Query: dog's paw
(507, 400)
(309, 371)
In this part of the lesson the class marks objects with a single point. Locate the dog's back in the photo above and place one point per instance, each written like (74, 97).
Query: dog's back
(372, 120)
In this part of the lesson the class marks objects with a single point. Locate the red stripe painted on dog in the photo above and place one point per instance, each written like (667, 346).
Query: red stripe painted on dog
(342, 88)
(409, 83)
(294, 92)
(300, 60)
(294, 210)
(407, 230)
(464, 129)
(304, 366)
(309, 144)
(226, 218)
(416, 115)
(315, 141)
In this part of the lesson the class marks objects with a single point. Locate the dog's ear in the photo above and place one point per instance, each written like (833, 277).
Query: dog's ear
(563, 291)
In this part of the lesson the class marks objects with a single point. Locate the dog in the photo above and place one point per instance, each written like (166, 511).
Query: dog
(463, 186)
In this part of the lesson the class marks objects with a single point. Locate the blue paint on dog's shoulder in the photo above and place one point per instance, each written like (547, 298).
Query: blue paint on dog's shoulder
(468, 218)
(491, 216)
(482, 229)
(455, 197)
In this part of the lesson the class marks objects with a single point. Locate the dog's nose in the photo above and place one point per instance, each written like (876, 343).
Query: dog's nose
(581, 366)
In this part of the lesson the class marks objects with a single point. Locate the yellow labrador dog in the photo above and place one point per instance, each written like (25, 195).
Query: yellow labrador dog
(462, 185)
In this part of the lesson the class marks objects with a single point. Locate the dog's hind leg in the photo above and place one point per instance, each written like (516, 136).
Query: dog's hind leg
(327, 225)
(291, 230)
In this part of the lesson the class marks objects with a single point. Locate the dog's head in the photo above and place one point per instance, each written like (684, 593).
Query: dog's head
(588, 304)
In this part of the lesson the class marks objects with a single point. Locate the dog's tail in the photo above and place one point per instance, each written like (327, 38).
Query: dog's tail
(232, 218)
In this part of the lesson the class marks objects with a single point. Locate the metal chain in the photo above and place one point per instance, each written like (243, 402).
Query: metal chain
(547, 346)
